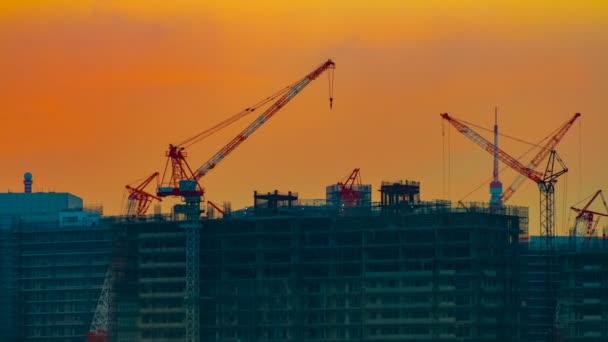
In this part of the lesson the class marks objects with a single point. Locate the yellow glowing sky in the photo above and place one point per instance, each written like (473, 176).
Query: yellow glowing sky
(93, 91)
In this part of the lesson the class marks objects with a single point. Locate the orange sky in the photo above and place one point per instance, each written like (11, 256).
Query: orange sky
(93, 91)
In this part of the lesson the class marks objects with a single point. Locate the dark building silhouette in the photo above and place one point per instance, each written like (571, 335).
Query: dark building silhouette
(435, 273)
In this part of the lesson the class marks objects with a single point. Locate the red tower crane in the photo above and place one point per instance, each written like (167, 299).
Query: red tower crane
(180, 180)
(139, 200)
(348, 194)
(589, 219)
(545, 181)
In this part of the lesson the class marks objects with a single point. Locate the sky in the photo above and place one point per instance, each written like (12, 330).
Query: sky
(92, 93)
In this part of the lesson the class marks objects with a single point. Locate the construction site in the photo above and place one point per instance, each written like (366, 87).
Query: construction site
(285, 268)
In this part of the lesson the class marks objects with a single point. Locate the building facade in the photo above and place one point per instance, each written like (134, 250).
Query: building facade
(53, 260)
(437, 274)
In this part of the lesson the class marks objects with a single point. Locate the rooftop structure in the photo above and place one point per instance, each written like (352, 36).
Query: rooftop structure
(38, 206)
(399, 195)
(271, 202)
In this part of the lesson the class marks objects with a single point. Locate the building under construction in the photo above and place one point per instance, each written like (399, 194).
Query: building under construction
(433, 272)
(303, 270)
(582, 296)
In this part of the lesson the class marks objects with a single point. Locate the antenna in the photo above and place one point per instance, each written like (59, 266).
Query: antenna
(495, 185)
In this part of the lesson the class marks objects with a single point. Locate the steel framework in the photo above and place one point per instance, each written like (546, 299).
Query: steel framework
(98, 331)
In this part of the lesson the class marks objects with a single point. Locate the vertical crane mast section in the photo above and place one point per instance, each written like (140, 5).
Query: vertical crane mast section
(257, 123)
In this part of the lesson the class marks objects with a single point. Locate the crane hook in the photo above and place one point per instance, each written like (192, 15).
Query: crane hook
(331, 102)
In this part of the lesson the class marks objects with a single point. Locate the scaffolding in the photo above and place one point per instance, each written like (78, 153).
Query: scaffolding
(61, 273)
(438, 274)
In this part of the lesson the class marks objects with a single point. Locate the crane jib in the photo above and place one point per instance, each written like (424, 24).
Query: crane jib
(182, 181)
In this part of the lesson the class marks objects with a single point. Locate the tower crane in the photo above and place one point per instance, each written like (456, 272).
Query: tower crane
(139, 200)
(180, 180)
(589, 219)
(545, 181)
(348, 194)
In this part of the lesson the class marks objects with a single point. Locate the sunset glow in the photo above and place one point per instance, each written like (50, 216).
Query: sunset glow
(92, 92)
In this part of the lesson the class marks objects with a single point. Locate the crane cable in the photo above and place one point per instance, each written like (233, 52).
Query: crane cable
(330, 81)
(234, 118)
(443, 156)
(449, 167)
(580, 158)
(506, 136)
(504, 167)
(564, 205)
(510, 137)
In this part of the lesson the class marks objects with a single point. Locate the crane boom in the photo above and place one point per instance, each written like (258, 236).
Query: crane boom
(257, 123)
(590, 218)
(183, 181)
(586, 207)
(504, 157)
(540, 156)
(350, 181)
(349, 194)
(139, 200)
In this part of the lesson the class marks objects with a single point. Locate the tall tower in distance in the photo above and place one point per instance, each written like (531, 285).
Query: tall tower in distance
(27, 182)
(495, 185)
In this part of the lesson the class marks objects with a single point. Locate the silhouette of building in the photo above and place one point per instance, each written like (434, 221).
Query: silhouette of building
(433, 272)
